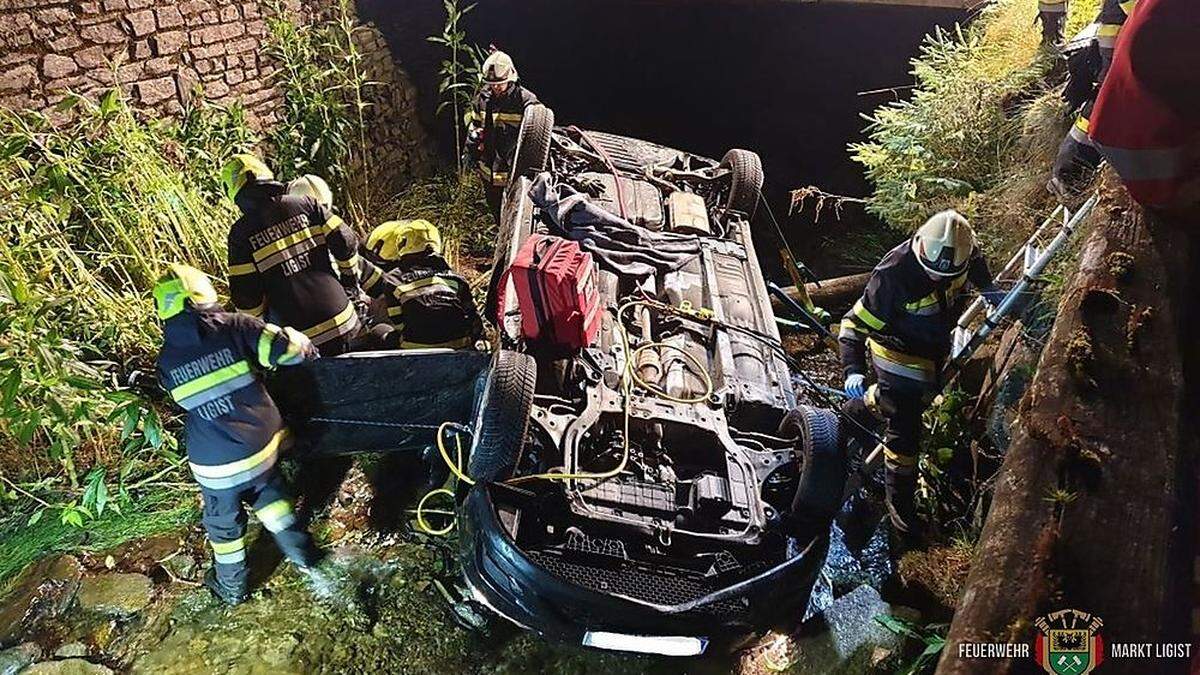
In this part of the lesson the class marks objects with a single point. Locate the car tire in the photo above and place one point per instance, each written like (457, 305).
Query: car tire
(823, 475)
(532, 155)
(503, 417)
(745, 180)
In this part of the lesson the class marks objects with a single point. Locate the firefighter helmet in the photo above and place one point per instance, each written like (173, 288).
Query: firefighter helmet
(397, 238)
(181, 284)
(498, 68)
(240, 169)
(310, 185)
(944, 244)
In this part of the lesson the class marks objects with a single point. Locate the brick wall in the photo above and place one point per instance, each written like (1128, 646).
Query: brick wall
(163, 52)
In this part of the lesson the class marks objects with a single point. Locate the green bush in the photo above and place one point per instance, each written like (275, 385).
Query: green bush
(952, 137)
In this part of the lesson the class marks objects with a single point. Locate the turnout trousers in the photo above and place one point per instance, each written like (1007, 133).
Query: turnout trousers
(224, 520)
(896, 403)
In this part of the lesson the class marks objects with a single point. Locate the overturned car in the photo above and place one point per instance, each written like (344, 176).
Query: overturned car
(639, 490)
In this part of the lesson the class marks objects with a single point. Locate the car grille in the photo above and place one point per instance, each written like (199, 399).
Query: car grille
(664, 588)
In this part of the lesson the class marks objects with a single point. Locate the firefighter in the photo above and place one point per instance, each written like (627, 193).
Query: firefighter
(1078, 157)
(493, 124)
(279, 258)
(904, 319)
(424, 300)
(1052, 14)
(209, 364)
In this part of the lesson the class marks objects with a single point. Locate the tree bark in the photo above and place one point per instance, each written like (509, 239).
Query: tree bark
(833, 294)
(1088, 500)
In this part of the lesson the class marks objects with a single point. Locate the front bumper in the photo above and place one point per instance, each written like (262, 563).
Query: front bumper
(511, 584)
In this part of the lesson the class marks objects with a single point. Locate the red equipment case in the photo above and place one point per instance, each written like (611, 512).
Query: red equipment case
(556, 292)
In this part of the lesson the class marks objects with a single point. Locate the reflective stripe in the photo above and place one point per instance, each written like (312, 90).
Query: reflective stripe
(1145, 163)
(213, 385)
(333, 223)
(287, 248)
(265, 341)
(1106, 35)
(897, 458)
(294, 353)
(277, 516)
(372, 278)
(850, 330)
(499, 178)
(228, 552)
(343, 322)
(508, 118)
(232, 474)
(405, 289)
(1127, 6)
(866, 316)
(901, 364)
(459, 343)
(1079, 131)
(1053, 6)
(303, 234)
(242, 269)
(256, 311)
(348, 264)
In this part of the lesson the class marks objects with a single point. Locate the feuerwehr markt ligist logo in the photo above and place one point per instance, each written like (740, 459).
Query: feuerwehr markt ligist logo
(1070, 643)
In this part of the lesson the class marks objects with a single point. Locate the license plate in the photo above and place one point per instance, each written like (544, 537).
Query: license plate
(667, 645)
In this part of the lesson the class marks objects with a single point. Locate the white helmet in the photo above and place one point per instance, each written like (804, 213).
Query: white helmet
(498, 68)
(309, 185)
(944, 244)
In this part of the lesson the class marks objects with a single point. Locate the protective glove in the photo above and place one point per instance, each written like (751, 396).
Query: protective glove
(856, 386)
(993, 296)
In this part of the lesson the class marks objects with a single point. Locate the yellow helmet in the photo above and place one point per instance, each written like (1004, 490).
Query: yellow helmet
(944, 244)
(180, 284)
(395, 239)
(310, 185)
(498, 68)
(239, 169)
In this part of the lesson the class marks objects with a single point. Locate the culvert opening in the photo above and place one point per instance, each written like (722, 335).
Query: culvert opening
(784, 79)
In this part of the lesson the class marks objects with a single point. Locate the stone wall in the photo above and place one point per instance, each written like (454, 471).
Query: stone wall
(163, 52)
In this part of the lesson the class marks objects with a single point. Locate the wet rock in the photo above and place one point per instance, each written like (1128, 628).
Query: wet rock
(67, 667)
(71, 650)
(45, 589)
(181, 566)
(13, 660)
(116, 594)
(846, 638)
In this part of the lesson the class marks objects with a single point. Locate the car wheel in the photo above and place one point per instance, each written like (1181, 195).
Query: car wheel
(533, 142)
(503, 417)
(823, 476)
(745, 180)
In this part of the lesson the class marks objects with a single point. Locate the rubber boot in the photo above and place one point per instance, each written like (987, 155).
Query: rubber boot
(225, 593)
(1052, 23)
(907, 529)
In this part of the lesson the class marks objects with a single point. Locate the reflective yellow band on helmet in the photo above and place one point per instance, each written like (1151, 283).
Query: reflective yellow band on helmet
(277, 516)
(242, 269)
(863, 314)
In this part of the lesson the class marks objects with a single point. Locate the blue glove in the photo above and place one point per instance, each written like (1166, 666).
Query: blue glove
(993, 296)
(856, 386)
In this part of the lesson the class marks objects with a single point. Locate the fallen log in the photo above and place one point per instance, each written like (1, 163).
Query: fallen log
(1087, 504)
(834, 295)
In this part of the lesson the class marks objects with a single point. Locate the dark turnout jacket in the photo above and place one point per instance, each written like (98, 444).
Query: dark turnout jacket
(209, 364)
(500, 119)
(905, 311)
(279, 263)
(429, 304)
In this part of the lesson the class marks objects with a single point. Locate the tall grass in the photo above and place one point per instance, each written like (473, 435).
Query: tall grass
(459, 71)
(323, 130)
(980, 130)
